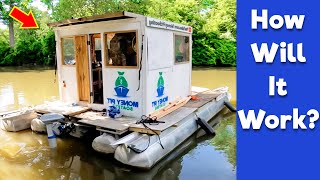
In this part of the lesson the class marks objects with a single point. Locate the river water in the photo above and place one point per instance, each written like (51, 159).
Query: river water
(26, 155)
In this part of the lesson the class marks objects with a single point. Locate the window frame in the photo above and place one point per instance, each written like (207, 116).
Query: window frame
(174, 48)
(62, 50)
(94, 37)
(106, 54)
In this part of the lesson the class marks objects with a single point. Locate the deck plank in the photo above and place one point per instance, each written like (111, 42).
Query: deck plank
(60, 108)
(170, 120)
(91, 115)
(176, 116)
(118, 124)
(204, 98)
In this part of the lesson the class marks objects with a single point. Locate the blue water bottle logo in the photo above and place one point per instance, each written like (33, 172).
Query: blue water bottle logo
(121, 85)
(160, 85)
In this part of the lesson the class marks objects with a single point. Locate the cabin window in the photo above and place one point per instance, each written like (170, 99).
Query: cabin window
(121, 49)
(68, 52)
(182, 48)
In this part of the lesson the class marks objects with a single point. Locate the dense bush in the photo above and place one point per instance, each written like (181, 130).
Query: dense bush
(209, 50)
(49, 48)
(31, 49)
(7, 55)
(213, 22)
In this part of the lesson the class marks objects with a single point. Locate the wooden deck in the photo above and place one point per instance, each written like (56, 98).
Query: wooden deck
(204, 98)
(170, 120)
(176, 116)
(106, 124)
(124, 124)
(60, 108)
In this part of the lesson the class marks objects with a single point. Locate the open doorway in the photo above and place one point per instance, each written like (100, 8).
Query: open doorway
(96, 68)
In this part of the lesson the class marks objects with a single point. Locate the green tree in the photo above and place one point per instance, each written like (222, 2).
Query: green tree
(181, 11)
(5, 8)
(66, 9)
(209, 50)
(4, 44)
(34, 46)
(213, 22)
(222, 19)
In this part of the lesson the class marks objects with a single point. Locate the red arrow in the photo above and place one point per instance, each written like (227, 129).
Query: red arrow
(27, 20)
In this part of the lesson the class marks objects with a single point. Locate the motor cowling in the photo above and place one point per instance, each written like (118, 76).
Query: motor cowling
(62, 129)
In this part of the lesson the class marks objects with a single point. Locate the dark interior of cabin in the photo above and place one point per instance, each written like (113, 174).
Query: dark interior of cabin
(96, 66)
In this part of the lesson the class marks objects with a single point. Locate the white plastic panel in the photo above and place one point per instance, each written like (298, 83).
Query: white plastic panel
(128, 99)
(155, 98)
(181, 80)
(177, 77)
(176, 83)
(69, 93)
(160, 48)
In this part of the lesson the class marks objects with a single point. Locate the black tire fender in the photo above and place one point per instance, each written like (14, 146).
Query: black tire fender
(205, 126)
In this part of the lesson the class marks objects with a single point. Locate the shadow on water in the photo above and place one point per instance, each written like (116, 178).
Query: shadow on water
(23, 69)
(206, 68)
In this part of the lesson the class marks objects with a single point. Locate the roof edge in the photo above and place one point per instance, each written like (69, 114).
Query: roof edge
(96, 18)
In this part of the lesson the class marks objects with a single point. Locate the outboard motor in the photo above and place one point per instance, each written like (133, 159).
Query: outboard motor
(48, 120)
(62, 129)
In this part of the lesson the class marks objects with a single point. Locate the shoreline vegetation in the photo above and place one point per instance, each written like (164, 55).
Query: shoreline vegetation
(213, 22)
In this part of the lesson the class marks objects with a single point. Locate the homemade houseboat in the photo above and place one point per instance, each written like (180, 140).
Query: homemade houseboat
(129, 77)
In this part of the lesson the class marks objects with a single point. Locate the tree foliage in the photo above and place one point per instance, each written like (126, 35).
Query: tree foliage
(67, 9)
(222, 19)
(32, 46)
(5, 8)
(213, 22)
(208, 50)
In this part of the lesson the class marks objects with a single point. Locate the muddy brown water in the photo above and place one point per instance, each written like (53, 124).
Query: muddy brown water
(26, 155)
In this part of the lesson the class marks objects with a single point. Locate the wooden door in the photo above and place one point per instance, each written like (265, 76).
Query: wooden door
(82, 63)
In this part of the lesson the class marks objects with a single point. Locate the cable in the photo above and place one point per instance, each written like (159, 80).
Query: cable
(140, 63)
(138, 151)
(151, 121)
(155, 133)
(55, 68)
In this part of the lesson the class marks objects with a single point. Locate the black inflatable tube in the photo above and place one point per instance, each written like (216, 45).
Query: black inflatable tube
(229, 106)
(205, 126)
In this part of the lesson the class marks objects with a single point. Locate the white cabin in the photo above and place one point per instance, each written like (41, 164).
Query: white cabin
(135, 63)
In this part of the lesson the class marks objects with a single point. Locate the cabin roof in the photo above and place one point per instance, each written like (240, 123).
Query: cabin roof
(97, 18)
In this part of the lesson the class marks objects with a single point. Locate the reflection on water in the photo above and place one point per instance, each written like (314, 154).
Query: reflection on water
(26, 155)
(21, 87)
(225, 140)
(7, 96)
